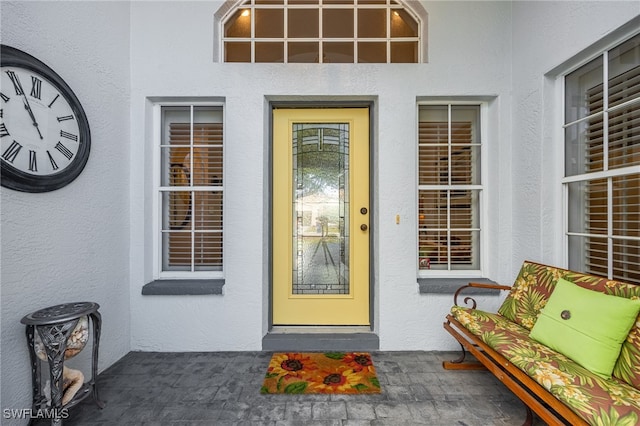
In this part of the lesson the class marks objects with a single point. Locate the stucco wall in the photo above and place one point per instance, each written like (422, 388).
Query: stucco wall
(545, 35)
(71, 244)
(91, 239)
(469, 55)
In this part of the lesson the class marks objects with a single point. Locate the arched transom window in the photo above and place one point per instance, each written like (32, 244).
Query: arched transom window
(321, 31)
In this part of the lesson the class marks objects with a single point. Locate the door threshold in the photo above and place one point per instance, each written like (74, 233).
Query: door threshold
(320, 339)
(319, 329)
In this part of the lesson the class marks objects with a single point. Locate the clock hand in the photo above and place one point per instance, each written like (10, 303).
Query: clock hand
(33, 118)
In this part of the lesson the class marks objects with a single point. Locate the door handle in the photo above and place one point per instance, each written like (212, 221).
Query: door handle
(364, 227)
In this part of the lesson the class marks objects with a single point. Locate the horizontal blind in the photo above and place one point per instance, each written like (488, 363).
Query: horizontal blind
(193, 197)
(445, 216)
(613, 203)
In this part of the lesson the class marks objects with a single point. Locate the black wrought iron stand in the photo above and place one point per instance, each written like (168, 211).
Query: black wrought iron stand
(54, 325)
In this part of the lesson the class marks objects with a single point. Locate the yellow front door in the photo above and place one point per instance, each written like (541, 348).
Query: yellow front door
(321, 216)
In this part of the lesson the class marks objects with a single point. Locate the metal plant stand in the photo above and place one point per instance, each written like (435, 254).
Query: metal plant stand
(54, 325)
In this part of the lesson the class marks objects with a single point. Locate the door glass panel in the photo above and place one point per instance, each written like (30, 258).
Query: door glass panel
(320, 208)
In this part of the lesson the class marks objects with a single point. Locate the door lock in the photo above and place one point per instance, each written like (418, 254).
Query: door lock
(363, 210)
(364, 227)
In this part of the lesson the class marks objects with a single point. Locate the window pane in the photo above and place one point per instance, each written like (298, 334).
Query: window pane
(624, 135)
(583, 91)
(624, 72)
(239, 25)
(192, 179)
(336, 52)
(626, 260)
(448, 229)
(465, 124)
(372, 1)
(269, 52)
(404, 52)
(433, 161)
(372, 52)
(626, 205)
(584, 152)
(237, 52)
(588, 207)
(303, 52)
(403, 24)
(372, 23)
(588, 254)
(337, 23)
(449, 159)
(269, 23)
(464, 250)
(302, 23)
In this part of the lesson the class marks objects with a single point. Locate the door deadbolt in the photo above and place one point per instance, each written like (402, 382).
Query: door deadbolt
(363, 210)
(364, 227)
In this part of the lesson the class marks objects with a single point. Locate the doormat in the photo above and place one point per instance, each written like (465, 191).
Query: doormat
(330, 372)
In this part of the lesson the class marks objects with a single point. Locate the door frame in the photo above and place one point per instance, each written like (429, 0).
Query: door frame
(370, 104)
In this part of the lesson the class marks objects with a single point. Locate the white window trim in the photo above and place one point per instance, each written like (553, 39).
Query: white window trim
(483, 192)
(599, 49)
(158, 274)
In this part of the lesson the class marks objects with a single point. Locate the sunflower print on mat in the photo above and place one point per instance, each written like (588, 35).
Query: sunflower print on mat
(327, 373)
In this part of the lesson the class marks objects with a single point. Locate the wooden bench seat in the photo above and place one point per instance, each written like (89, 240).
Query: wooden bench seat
(556, 388)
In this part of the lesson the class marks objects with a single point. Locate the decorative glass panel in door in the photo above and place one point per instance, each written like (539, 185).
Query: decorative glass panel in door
(321, 217)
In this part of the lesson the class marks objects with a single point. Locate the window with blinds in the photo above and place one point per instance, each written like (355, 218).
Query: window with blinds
(321, 31)
(449, 187)
(602, 173)
(191, 189)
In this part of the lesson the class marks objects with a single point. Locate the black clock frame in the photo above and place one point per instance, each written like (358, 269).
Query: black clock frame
(20, 181)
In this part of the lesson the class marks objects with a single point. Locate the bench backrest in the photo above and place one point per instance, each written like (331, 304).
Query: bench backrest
(536, 282)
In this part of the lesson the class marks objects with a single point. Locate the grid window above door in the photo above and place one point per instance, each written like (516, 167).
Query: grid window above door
(321, 31)
(190, 191)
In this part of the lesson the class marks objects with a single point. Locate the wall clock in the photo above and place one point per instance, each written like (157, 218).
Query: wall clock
(44, 131)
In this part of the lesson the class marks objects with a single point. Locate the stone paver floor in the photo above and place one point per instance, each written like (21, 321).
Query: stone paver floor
(223, 388)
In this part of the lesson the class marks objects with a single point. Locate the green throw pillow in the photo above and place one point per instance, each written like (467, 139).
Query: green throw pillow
(587, 326)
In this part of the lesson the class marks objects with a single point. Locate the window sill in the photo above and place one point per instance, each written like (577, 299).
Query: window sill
(183, 287)
(450, 285)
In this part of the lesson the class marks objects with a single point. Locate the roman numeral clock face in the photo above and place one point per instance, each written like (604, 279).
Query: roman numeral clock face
(44, 132)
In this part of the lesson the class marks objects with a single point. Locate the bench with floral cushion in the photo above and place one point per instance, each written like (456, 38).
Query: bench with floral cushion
(566, 343)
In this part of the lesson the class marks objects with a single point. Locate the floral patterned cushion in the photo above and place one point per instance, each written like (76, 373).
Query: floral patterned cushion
(535, 283)
(598, 401)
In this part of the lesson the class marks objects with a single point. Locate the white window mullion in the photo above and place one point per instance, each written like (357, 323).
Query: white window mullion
(449, 182)
(610, 227)
(191, 184)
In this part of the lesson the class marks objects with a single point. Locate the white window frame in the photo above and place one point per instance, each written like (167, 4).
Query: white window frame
(606, 173)
(158, 273)
(482, 189)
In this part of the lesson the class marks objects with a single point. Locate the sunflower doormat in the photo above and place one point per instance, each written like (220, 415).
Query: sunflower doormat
(330, 372)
